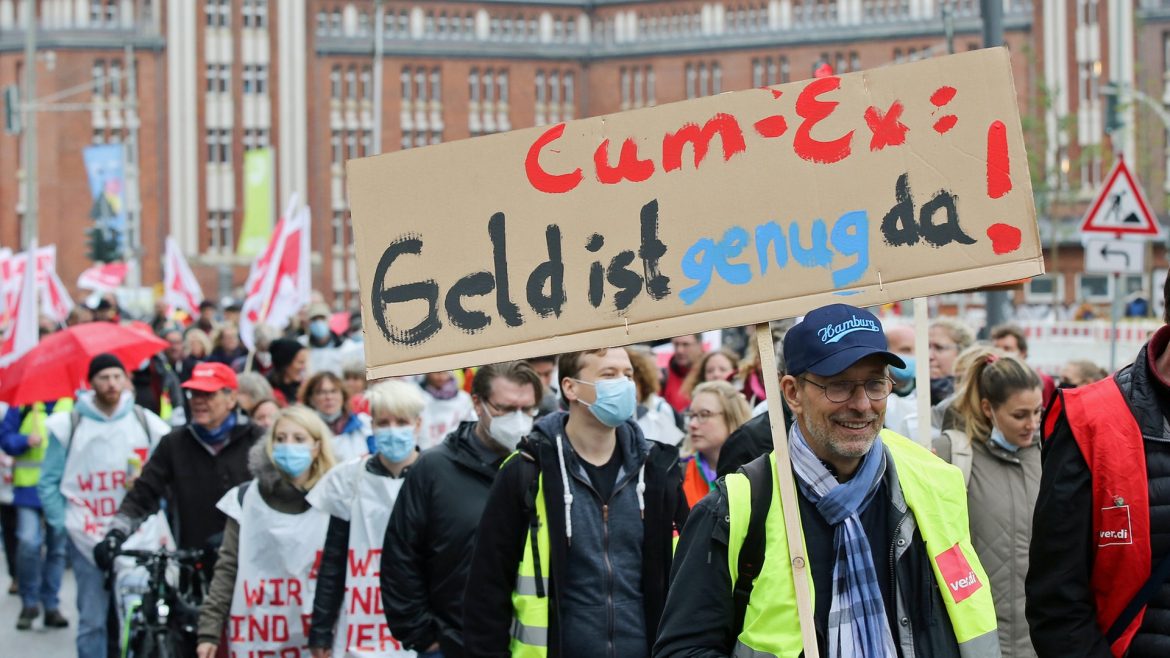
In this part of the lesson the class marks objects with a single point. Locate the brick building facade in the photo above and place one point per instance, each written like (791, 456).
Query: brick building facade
(323, 81)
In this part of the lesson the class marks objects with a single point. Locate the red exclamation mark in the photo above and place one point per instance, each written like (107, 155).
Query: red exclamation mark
(999, 166)
(1005, 238)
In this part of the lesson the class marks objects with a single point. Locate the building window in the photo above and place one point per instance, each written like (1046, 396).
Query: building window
(255, 14)
(219, 230)
(335, 83)
(99, 77)
(1095, 287)
(219, 78)
(437, 86)
(338, 155)
(351, 83)
(219, 145)
(367, 84)
(218, 13)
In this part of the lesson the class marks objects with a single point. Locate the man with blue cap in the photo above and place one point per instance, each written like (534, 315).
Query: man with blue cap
(884, 521)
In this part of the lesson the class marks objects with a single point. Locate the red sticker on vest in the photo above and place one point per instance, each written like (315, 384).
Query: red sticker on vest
(1115, 528)
(958, 574)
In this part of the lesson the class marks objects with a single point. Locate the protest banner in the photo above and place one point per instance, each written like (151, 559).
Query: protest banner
(723, 211)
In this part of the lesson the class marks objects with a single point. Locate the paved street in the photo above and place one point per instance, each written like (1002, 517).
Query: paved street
(37, 643)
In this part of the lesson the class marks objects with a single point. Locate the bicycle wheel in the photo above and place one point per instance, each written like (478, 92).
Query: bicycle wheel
(165, 645)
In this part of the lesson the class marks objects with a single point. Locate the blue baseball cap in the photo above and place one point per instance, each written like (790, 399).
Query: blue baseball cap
(832, 338)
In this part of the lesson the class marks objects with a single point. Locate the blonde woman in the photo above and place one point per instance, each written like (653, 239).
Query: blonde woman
(262, 580)
(717, 409)
(998, 408)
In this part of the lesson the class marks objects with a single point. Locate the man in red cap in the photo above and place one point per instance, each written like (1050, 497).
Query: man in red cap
(193, 466)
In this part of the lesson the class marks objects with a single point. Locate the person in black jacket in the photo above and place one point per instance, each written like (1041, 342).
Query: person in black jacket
(612, 503)
(748, 441)
(192, 467)
(427, 549)
(1066, 596)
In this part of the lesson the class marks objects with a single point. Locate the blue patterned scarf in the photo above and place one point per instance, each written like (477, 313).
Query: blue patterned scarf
(858, 627)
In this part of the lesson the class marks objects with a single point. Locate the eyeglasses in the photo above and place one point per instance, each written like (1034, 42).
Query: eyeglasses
(702, 415)
(504, 411)
(938, 347)
(842, 391)
(201, 395)
(327, 391)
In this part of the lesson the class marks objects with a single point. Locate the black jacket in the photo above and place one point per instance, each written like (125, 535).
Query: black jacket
(698, 620)
(427, 550)
(487, 615)
(192, 480)
(1061, 609)
(752, 439)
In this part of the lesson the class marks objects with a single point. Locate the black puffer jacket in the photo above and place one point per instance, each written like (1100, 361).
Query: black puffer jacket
(1060, 605)
(427, 550)
(506, 522)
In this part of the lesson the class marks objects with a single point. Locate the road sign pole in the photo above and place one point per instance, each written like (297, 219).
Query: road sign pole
(1113, 321)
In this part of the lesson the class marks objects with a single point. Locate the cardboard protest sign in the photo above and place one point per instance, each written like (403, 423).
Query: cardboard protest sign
(722, 211)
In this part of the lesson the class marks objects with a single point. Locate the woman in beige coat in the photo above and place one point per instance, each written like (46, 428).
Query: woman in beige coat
(999, 408)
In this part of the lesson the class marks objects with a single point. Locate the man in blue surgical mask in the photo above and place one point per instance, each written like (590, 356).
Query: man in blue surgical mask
(903, 402)
(585, 515)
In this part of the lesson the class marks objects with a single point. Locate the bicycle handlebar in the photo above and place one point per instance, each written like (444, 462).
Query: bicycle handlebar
(181, 555)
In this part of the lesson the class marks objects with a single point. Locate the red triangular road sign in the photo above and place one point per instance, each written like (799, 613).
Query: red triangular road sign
(1121, 207)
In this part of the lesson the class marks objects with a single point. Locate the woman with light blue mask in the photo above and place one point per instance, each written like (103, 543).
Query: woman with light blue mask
(269, 516)
(998, 406)
(358, 496)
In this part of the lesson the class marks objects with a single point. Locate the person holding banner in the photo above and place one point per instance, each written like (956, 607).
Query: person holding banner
(425, 556)
(573, 554)
(95, 453)
(893, 570)
(1099, 580)
(359, 496)
(265, 577)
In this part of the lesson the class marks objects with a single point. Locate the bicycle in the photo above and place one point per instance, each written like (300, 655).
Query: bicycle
(163, 622)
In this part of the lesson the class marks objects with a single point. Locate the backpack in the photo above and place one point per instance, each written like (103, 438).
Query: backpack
(961, 452)
(751, 553)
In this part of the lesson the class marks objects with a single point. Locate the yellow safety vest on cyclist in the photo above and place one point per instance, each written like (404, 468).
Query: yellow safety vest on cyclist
(933, 491)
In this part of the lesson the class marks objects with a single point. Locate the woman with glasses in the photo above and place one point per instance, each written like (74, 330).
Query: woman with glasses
(325, 393)
(998, 406)
(717, 409)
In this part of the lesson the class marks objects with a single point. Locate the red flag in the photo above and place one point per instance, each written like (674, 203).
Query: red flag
(180, 287)
(279, 283)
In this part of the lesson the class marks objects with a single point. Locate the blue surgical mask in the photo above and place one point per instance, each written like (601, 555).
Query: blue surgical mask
(319, 329)
(395, 443)
(1000, 440)
(904, 374)
(617, 399)
(292, 458)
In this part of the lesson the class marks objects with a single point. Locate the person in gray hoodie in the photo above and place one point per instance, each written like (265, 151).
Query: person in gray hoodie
(573, 552)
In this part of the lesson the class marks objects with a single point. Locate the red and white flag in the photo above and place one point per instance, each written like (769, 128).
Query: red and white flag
(55, 300)
(103, 277)
(21, 335)
(279, 283)
(180, 287)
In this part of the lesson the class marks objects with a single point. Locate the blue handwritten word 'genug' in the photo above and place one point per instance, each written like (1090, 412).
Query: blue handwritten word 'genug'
(849, 238)
(832, 333)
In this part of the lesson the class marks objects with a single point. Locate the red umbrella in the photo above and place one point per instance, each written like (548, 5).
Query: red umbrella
(57, 366)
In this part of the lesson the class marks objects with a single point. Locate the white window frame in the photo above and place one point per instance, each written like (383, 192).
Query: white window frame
(1034, 297)
(1100, 299)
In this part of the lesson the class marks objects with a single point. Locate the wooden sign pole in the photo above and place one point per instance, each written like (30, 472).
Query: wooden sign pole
(787, 485)
(922, 434)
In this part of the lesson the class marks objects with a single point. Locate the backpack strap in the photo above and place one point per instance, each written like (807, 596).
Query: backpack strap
(140, 414)
(74, 421)
(751, 554)
(530, 469)
(961, 453)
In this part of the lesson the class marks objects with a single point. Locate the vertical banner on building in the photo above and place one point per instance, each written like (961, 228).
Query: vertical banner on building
(258, 202)
(105, 166)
